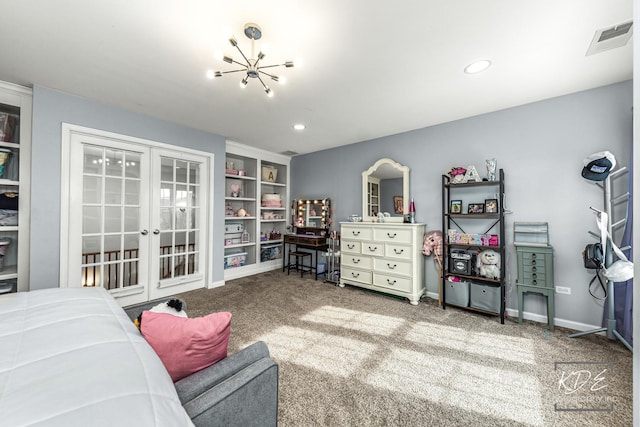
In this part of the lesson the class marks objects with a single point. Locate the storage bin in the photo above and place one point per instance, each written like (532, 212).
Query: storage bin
(268, 253)
(269, 174)
(485, 297)
(456, 293)
(235, 260)
(7, 286)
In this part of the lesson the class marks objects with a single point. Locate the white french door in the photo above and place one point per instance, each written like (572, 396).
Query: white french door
(136, 218)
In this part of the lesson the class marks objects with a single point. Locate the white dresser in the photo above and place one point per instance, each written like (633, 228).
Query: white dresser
(385, 257)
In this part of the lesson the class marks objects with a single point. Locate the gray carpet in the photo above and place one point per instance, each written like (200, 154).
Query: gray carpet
(349, 357)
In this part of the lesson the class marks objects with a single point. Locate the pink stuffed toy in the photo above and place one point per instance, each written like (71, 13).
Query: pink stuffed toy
(433, 244)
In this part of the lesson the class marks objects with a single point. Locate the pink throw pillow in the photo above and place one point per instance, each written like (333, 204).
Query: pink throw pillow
(187, 345)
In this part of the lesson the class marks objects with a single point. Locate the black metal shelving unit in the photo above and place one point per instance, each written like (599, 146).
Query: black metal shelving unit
(470, 223)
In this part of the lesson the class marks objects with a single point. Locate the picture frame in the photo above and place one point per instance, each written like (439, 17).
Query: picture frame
(398, 204)
(491, 206)
(456, 207)
(475, 208)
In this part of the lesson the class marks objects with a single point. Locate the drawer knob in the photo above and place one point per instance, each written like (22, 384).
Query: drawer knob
(375, 248)
(535, 282)
(355, 274)
(533, 256)
(534, 269)
(350, 246)
(398, 252)
(533, 262)
(391, 282)
(392, 267)
(355, 260)
(355, 233)
(391, 236)
(534, 275)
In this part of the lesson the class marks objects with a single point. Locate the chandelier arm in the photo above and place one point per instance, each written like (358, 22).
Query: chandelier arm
(233, 71)
(271, 66)
(242, 53)
(263, 85)
(266, 74)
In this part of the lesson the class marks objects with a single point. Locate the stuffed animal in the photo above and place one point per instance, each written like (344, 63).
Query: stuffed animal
(432, 243)
(457, 174)
(174, 306)
(488, 264)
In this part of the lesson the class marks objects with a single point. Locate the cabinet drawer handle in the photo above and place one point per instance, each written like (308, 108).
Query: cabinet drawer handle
(375, 248)
(535, 282)
(392, 267)
(355, 274)
(534, 269)
(355, 260)
(533, 256)
(390, 282)
(534, 275)
(398, 252)
(533, 262)
(355, 233)
(350, 246)
(391, 236)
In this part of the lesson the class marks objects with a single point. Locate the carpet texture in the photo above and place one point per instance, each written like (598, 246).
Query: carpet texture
(350, 357)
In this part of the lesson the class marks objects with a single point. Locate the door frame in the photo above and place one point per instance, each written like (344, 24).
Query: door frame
(71, 130)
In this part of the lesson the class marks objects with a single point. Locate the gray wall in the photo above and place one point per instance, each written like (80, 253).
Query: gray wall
(540, 146)
(50, 110)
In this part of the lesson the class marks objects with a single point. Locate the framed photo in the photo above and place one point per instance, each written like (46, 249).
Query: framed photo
(456, 207)
(476, 208)
(398, 204)
(491, 205)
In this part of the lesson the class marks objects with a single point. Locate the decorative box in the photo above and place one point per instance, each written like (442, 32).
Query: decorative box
(269, 174)
(235, 260)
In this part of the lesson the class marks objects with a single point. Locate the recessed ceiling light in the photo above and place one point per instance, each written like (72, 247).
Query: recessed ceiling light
(477, 66)
(299, 126)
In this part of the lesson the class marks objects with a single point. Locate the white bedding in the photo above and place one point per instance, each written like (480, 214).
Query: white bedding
(72, 357)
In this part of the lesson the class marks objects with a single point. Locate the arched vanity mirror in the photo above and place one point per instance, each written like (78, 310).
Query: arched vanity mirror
(385, 188)
(312, 216)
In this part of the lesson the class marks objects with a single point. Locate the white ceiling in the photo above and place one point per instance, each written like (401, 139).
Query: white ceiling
(371, 68)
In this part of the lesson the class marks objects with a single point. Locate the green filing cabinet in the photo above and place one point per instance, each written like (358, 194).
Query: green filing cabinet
(535, 274)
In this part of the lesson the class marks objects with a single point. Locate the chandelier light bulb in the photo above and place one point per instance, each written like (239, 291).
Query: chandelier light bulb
(210, 74)
(244, 82)
(269, 92)
(218, 55)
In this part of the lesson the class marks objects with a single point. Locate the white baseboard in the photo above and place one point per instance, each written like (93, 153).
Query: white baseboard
(215, 284)
(564, 323)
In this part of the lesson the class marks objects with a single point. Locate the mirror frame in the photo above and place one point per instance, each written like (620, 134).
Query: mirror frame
(325, 221)
(404, 170)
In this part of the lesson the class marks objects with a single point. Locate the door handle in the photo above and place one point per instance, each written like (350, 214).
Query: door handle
(156, 231)
(144, 232)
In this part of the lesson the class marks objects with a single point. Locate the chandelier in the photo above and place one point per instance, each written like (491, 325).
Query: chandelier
(251, 66)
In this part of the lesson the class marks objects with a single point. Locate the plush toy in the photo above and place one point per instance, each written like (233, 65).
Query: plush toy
(487, 263)
(432, 243)
(174, 306)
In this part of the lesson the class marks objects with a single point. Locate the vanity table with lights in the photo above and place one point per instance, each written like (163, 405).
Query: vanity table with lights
(312, 220)
(384, 256)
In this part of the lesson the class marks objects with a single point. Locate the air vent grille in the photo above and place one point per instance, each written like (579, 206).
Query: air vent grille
(610, 38)
(289, 153)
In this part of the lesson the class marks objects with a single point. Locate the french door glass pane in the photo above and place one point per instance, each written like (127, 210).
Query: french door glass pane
(111, 217)
(179, 196)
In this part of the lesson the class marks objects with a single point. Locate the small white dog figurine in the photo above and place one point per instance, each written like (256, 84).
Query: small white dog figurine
(488, 264)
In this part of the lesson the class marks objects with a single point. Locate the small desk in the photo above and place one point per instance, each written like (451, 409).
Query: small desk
(306, 241)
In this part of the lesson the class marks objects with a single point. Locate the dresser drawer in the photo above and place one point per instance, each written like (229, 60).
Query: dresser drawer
(373, 248)
(350, 246)
(354, 275)
(392, 235)
(357, 261)
(358, 233)
(398, 251)
(404, 284)
(392, 266)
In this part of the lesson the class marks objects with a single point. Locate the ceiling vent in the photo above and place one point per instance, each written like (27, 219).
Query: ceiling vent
(289, 153)
(610, 38)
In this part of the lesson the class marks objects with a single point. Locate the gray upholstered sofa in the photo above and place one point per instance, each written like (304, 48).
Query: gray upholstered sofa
(71, 357)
